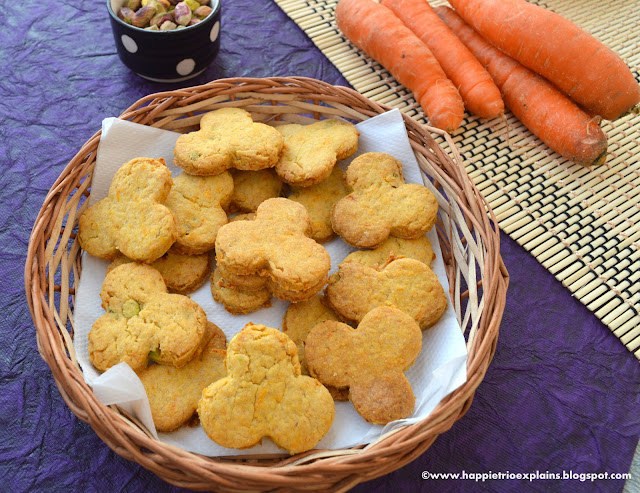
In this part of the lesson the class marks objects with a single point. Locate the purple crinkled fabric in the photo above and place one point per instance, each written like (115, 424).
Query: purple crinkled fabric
(561, 393)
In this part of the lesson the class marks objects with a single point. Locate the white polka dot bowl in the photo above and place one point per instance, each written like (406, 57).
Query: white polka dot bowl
(167, 56)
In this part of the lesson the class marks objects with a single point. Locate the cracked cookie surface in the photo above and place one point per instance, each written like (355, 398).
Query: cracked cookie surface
(264, 395)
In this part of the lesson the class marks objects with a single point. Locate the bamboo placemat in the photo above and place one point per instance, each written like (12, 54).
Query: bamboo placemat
(582, 224)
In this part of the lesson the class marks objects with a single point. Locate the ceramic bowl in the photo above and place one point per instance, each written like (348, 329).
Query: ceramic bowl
(167, 56)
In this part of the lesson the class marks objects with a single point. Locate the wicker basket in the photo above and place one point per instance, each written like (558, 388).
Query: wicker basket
(468, 235)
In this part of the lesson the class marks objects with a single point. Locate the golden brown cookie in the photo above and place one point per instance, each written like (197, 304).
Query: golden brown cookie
(174, 392)
(237, 300)
(405, 283)
(142, 318)
(275, 246)
(132, 219)
(251, 188)
(319, 201)
(182, 273)
(382, 204)
(264, 395)
(300, 318)
(311, 151)
(369, 361)
(228, 138)
(198, 203)
(418, 249)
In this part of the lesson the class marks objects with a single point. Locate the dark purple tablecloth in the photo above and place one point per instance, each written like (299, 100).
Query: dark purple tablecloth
(561, 394)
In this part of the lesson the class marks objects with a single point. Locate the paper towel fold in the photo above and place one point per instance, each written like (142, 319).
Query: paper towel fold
(439, 369)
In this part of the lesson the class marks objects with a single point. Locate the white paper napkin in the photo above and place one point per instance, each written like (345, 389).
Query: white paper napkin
(439, 369)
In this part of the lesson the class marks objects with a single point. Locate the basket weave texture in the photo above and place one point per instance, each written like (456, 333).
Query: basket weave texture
(469, 239)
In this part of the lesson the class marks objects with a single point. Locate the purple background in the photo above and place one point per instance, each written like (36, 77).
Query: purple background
(561, 393)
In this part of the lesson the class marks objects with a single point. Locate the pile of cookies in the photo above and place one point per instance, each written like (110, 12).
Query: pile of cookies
(262, 200)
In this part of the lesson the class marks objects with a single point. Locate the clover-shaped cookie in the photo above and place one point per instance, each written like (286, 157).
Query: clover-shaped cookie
(311, 151)
(228, 138)
(144, 321)
(405, 283)
(174, 392)
(382, 204)
(275, 246)
(264, 395)
(369, 360)
(132, 219)
(198, 203)
(319, 201)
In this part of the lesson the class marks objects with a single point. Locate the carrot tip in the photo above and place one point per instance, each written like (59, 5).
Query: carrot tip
(601, 159)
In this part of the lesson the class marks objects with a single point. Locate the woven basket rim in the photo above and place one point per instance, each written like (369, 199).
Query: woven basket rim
(334, 470)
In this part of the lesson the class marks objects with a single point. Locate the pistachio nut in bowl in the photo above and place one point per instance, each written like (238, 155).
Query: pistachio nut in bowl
(166, 40)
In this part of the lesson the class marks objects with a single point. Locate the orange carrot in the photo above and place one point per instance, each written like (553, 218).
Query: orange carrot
(374, 29)
(577, 63)
(479, 93)
(542, 108)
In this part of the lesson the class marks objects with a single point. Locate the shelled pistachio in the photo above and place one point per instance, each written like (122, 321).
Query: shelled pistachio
(160, 18)
(143, 15)
(202, 11)
(182, 14)
(168, 26)
(164, 15)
